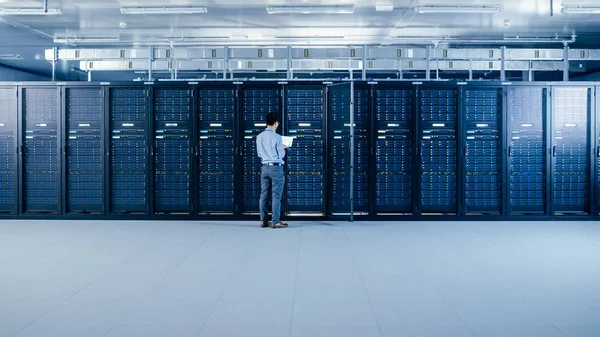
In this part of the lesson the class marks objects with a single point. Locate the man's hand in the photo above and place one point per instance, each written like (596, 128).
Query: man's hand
(285, 147)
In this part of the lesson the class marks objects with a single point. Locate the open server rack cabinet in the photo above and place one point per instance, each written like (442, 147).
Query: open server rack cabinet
(179, 150)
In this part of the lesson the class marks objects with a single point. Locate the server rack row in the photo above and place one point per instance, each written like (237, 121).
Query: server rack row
(187, 150)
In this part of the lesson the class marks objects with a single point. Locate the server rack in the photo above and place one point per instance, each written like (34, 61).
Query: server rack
(83, 150)
(571, 150)
(216, 149)
(40, 174)
(339, 150)
(394, 149)
(172, 149)
(256, 102)
(8, 154)
(129, 150)
(527, 155)
(483, 160)
(306, 178)
(438, 148)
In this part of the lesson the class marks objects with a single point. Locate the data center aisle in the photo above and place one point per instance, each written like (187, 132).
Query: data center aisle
(313, 279)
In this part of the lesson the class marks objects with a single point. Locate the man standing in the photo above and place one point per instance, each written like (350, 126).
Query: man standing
(271, 151)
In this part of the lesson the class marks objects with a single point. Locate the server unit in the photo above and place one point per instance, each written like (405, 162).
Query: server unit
(216, 150)
(8, 153)
(526, 109)
(482, 152)
(306, 160)
(256, 103)
(394, 149)
(571, 150)
(438, 130)
(172, 149)
(41, 169)
(84, 149)
(128, 168)
(339, 149)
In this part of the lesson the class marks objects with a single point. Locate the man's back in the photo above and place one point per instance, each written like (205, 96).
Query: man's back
(269, 147)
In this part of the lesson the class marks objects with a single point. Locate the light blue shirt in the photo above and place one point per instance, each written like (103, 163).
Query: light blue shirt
(269, 147)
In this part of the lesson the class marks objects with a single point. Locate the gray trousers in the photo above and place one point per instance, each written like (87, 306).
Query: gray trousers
(272, 179)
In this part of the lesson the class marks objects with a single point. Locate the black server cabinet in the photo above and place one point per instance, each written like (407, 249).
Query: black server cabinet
(128, 156)
(483, 160)
(216, 150)
(339, 150)
(41, 171)
(394, 149)
(306, 158)
(8, 151)
(84, 151)
(527, 156)
(438, 147)
(256, 103)
(172, 150)
(571, 150)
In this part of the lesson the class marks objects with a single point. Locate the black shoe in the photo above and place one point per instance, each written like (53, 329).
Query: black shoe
(264, 224)
(279, 225)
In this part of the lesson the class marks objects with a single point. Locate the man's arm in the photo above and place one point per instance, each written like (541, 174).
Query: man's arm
(280, 147)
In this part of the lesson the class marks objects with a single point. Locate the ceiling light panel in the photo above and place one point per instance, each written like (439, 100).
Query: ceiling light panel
(310, 9)
(581, 10)
(30, 11)
(458, 9)
(164, 10)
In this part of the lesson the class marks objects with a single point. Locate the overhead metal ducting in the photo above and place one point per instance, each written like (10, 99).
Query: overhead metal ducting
(300, 59)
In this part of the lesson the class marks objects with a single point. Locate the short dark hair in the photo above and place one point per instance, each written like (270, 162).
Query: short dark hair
(272, 118)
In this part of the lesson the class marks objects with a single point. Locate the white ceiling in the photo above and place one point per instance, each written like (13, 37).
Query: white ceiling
(247, 22)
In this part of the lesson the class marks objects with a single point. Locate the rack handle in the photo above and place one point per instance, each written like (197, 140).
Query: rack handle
(554, 151)
(598, 152)
(510, 151)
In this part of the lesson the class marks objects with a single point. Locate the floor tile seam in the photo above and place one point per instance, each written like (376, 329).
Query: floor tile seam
(96, 281)
(362, 280)
(296, 279)
(544, 318)
(46, 312)
(235, 270)
(460, 318)
(158, 283)
(68, 237)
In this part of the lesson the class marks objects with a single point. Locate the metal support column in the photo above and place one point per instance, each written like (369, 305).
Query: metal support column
(470, 70)
(290, 75)
(400, 69)
(150, 60)
(502, 63)
(364, 63)
(427, 74)
(54, 57)
(225, 61)
(566, 63)
(351, 147)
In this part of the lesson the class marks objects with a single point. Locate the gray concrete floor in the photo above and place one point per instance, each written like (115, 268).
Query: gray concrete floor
(213, 279)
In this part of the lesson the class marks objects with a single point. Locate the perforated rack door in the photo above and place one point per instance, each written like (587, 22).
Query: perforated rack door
(216, 150)
(173, 149)
(306, 162)
(255, 106)
(570, 150)
(41, 170)
(339, 139)
(8, 153)
(84, 150)
(128, 150)
(438, 149)
(483, 149)
(527, 150)
(394, 149)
